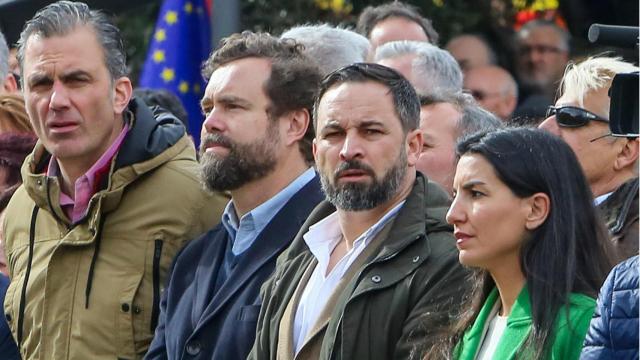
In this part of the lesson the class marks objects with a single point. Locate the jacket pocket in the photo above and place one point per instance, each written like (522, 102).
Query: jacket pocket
(155, 309)
(127, 313)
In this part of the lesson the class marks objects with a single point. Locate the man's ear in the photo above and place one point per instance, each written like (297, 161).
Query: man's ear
(298, 121)
(628, 155)
(538, 207)
(414, 146)
(10, 84)
(122, 94)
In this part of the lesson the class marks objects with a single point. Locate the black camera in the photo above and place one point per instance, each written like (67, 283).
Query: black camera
(623, 115)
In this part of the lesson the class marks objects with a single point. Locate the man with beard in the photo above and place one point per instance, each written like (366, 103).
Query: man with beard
(256, 144)
(374, 272)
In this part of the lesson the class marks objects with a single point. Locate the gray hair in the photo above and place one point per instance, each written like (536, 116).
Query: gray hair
(331, 47)
(565, 37)
(474, 118)
(62, 17)
(4, 58)
(437, 70)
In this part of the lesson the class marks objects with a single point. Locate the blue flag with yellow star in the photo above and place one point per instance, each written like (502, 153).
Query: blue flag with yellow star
(181, 43)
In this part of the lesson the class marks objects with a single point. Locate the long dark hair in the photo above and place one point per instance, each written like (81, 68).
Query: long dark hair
(568, 253)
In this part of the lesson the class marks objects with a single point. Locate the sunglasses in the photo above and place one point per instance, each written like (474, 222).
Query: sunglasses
(572, 116)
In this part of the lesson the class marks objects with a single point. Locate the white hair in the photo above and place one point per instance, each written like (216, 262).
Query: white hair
(591, 75)
(436, 68)
(331, 47)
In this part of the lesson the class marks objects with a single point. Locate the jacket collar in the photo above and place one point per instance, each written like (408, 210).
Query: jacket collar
(275, 237)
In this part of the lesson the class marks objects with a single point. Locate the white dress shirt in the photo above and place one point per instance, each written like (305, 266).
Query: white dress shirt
(322, 238)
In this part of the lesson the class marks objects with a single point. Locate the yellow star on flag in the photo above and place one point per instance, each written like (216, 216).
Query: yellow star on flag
(158, 56)
(188, 7)
(160, 35)
(196, 88)
(171, 17)
(167, 74)
(183, 87)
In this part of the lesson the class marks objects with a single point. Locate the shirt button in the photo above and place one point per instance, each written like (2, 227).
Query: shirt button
(136, 309)
(193, 348)
(8, 317)
(416, 259)
(376, 279)
(125, 307)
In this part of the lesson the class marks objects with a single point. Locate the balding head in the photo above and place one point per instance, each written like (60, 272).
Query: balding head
(471, 51)
(494, 89)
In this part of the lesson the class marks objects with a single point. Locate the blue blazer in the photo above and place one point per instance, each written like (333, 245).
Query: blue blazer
(194, 322)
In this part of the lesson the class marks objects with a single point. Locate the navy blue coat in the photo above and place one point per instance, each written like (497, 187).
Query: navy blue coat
(194, 322)
(613, 333)
(8, 347)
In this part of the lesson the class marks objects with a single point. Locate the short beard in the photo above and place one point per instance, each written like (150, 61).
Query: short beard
(244, 162)
(355, 196)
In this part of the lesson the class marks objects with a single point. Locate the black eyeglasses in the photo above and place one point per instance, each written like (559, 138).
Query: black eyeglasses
(572, 116)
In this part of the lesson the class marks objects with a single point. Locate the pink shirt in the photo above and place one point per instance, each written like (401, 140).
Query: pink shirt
(85, 186)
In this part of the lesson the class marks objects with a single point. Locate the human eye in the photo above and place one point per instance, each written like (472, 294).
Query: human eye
(476, 193)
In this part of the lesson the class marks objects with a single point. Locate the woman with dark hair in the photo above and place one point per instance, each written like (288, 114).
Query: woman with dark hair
(524, 219)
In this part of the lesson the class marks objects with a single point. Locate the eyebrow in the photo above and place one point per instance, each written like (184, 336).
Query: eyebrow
(472, 183)
(225, 99)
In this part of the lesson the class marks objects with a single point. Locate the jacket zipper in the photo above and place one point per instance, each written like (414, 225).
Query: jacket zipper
(155, 310)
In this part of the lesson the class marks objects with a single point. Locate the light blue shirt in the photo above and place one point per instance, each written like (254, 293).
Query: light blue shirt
(244, 232)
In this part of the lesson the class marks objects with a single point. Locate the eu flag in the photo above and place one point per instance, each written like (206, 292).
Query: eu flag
(181, 43)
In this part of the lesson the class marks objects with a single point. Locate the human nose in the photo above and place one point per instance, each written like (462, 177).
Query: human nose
(455, 214)
(213, 122)
(351, 148)
(59, 97)
(551, 125)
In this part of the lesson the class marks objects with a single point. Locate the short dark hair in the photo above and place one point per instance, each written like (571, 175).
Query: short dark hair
(166, 100)
(405, 99)
(294, 78)
(372, 15)
(63, 17)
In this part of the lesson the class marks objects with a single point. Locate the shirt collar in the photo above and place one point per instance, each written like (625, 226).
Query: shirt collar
(600, 199)
(325, 235)
(257, 219)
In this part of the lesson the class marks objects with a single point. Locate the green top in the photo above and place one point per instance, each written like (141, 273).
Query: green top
(569, 335)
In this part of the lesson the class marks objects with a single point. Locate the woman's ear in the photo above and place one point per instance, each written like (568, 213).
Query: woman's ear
(538, 206)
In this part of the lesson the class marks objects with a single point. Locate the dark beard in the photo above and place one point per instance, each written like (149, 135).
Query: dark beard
(357, 196)
(244, 162)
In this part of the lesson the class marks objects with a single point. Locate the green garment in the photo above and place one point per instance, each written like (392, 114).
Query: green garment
(569, 335)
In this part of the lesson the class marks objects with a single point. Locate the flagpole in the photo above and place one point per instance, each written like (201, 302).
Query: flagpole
(225, 19)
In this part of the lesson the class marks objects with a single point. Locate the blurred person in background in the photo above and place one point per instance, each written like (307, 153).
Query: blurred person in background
(542, 52)
(428, 68)
(166, 100)
(494, 89)
(471, 51)
(16, 142)
(329, 46)
(444, 119)
(581, 118)
(520, 200)
(394, 21)
(8, 82)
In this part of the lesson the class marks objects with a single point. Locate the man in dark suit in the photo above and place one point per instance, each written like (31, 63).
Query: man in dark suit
(256, 144)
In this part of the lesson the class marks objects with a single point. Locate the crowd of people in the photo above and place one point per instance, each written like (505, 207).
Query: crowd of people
(357, 194)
